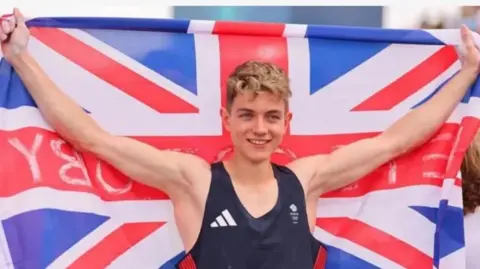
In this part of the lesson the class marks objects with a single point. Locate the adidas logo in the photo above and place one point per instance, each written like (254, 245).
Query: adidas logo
(223, 220)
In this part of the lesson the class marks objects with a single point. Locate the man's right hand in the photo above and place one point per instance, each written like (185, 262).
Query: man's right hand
(14, 35)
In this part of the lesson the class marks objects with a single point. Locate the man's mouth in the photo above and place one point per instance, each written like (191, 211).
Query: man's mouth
(258, 142)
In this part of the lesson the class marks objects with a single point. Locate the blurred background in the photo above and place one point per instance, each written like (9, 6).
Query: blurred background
(402, 16)
(410, 16)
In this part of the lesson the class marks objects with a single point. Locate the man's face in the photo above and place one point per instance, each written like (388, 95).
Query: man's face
(257, 124)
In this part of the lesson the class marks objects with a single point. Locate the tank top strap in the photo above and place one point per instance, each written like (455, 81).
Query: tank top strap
(221, 186)
(222, 206)
(288, 181)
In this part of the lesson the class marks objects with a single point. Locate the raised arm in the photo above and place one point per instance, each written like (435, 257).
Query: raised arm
(165, 170)
(320, 174)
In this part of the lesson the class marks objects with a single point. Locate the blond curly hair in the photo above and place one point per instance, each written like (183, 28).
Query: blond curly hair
(256, 76)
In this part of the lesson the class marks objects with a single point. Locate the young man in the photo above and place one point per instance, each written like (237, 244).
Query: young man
(237, 214)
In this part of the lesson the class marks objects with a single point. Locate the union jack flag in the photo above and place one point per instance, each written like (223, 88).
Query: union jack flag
(163, 82)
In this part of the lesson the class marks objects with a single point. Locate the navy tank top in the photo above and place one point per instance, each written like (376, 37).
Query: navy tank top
(230, 238)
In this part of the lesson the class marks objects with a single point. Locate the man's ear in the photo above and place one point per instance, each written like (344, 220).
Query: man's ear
(225, 115)
(288, 119)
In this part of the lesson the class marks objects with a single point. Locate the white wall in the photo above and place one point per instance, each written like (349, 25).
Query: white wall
(408, 16)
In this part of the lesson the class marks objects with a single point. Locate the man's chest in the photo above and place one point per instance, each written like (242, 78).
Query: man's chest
(257, 202)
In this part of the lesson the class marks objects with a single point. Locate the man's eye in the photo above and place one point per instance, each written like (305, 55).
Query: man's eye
(274, 117)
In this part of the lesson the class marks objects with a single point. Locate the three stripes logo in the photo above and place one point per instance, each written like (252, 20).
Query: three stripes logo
(223, 220)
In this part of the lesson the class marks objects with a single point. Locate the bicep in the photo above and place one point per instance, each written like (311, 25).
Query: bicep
(324, 173)
(162, 169)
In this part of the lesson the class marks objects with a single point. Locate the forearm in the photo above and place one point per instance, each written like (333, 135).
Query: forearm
(59, 110)
(167, 170)
(420, 124)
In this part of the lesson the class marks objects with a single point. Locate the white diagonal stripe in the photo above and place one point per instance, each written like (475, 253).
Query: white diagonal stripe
(167, 235)
(133, 64)
(359, 251)
(221, 221)
(84, 245)
(229, 218)
(126, 211)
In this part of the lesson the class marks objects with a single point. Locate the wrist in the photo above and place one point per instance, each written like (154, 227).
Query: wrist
(471, 71)
(19, 58)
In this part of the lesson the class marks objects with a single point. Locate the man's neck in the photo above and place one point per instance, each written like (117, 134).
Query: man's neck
(249, 173)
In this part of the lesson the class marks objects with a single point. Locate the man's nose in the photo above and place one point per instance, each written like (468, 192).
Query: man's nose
(260, 127)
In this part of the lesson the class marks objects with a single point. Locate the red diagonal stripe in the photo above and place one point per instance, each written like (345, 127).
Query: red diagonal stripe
(377, 241)
(112, 72)
(115, 244)
(411, 82)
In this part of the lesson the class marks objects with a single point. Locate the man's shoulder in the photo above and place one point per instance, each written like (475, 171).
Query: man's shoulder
(307, 165)
(197, 171)
(305, 168)
(284, 168)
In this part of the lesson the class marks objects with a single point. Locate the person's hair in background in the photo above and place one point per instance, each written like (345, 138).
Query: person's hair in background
(471, 177)
(471, 203)
(470, 16)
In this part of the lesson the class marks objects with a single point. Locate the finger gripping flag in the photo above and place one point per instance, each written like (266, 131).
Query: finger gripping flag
(163, 82)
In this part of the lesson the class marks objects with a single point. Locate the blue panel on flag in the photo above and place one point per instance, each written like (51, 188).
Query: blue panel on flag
(428, 212)
(36, 238)
(450, 229)
(170, 54)
(137, 24)
(12, 92)
(450, 232)
(373, 34)
(331, 59)
(337, 258)
(475, 89)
